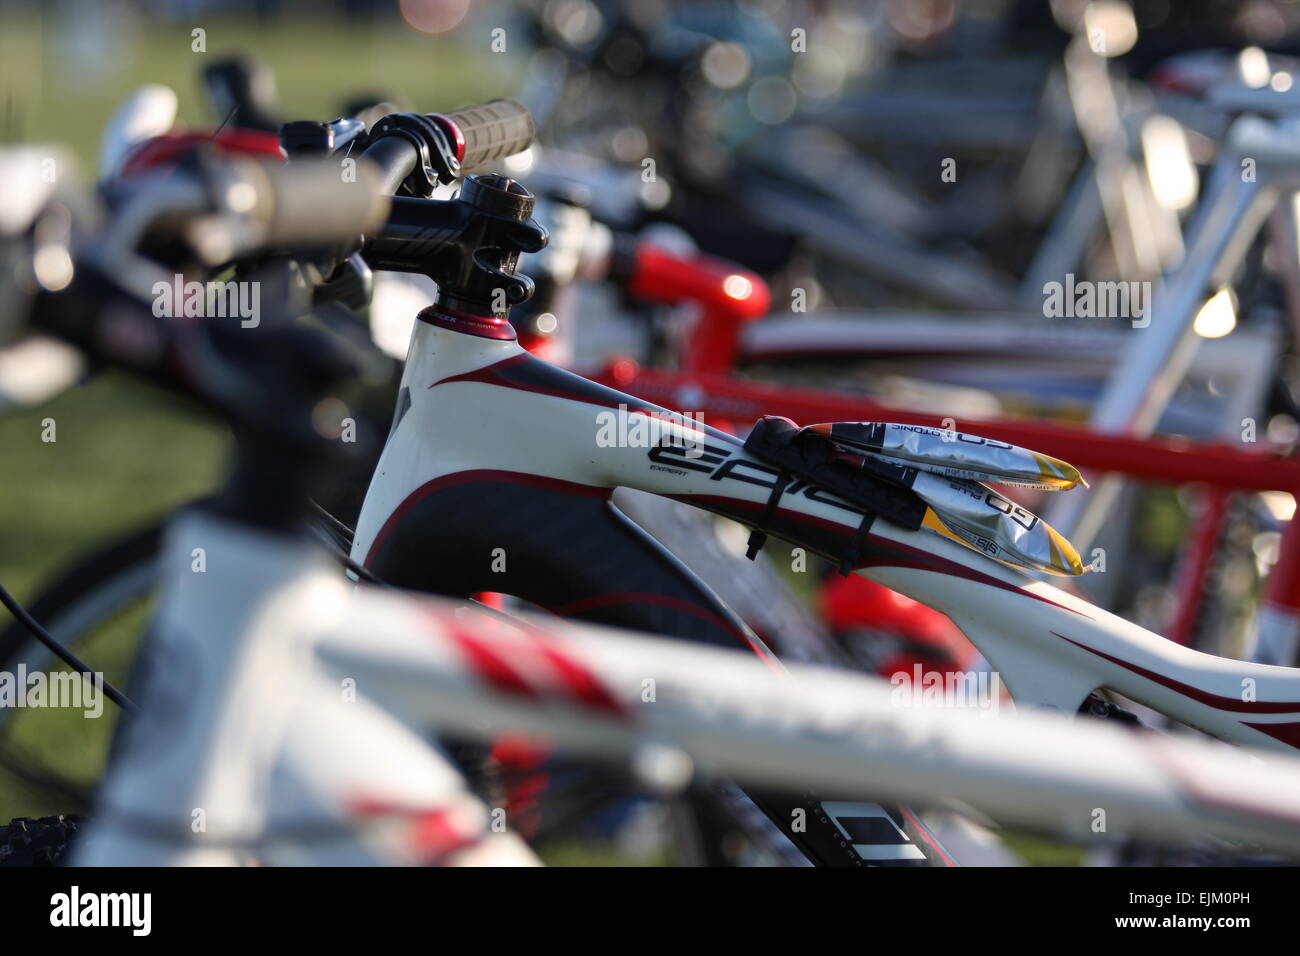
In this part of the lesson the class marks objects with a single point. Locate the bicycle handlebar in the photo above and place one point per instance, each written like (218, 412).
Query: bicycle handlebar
(423, 149)
(226, 209)
(492, 131)
(235, 207)
(394, 158)
(307, 203)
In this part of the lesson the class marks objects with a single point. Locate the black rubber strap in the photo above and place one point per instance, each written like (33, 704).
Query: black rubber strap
(850, 557)
(758, 537)
(816, 459)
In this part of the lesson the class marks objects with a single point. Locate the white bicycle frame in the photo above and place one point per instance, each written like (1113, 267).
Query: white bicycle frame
(251, 743)
(283, 715)
(484, 409)
(285, 718)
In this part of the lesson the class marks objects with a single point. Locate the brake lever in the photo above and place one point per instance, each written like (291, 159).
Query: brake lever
(307, 138)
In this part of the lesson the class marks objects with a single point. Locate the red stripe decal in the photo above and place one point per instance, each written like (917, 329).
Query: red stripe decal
(486, 373)
(575, 681)
(924, 833)
(580, 683)
(1229, 704)
(1289, 734)
(491, 666)
(434, 833)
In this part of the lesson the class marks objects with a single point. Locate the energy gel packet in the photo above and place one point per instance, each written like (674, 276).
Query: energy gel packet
(955, 454)
(973, 514)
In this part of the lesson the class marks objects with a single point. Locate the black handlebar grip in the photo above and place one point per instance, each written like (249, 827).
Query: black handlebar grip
(491, 131)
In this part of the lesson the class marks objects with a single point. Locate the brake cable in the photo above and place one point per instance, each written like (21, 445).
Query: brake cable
(44, 636)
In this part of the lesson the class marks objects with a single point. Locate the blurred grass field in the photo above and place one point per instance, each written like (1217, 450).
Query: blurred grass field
(126, 454)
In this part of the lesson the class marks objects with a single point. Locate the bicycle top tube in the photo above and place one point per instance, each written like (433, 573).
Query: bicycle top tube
(467, 393)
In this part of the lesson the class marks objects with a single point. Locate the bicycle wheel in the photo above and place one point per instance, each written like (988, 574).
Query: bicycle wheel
(581, 557)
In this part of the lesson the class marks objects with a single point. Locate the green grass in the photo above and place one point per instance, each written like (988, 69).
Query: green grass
(123, 455)
(1041, 851)
(320, 63)
(588, 854)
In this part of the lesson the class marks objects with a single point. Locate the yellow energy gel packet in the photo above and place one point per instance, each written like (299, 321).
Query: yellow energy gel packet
(1000, 529)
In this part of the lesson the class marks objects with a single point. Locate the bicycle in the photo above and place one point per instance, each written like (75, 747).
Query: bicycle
(778, 399)
(398, 226)
(117, 575)
(279, 788)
